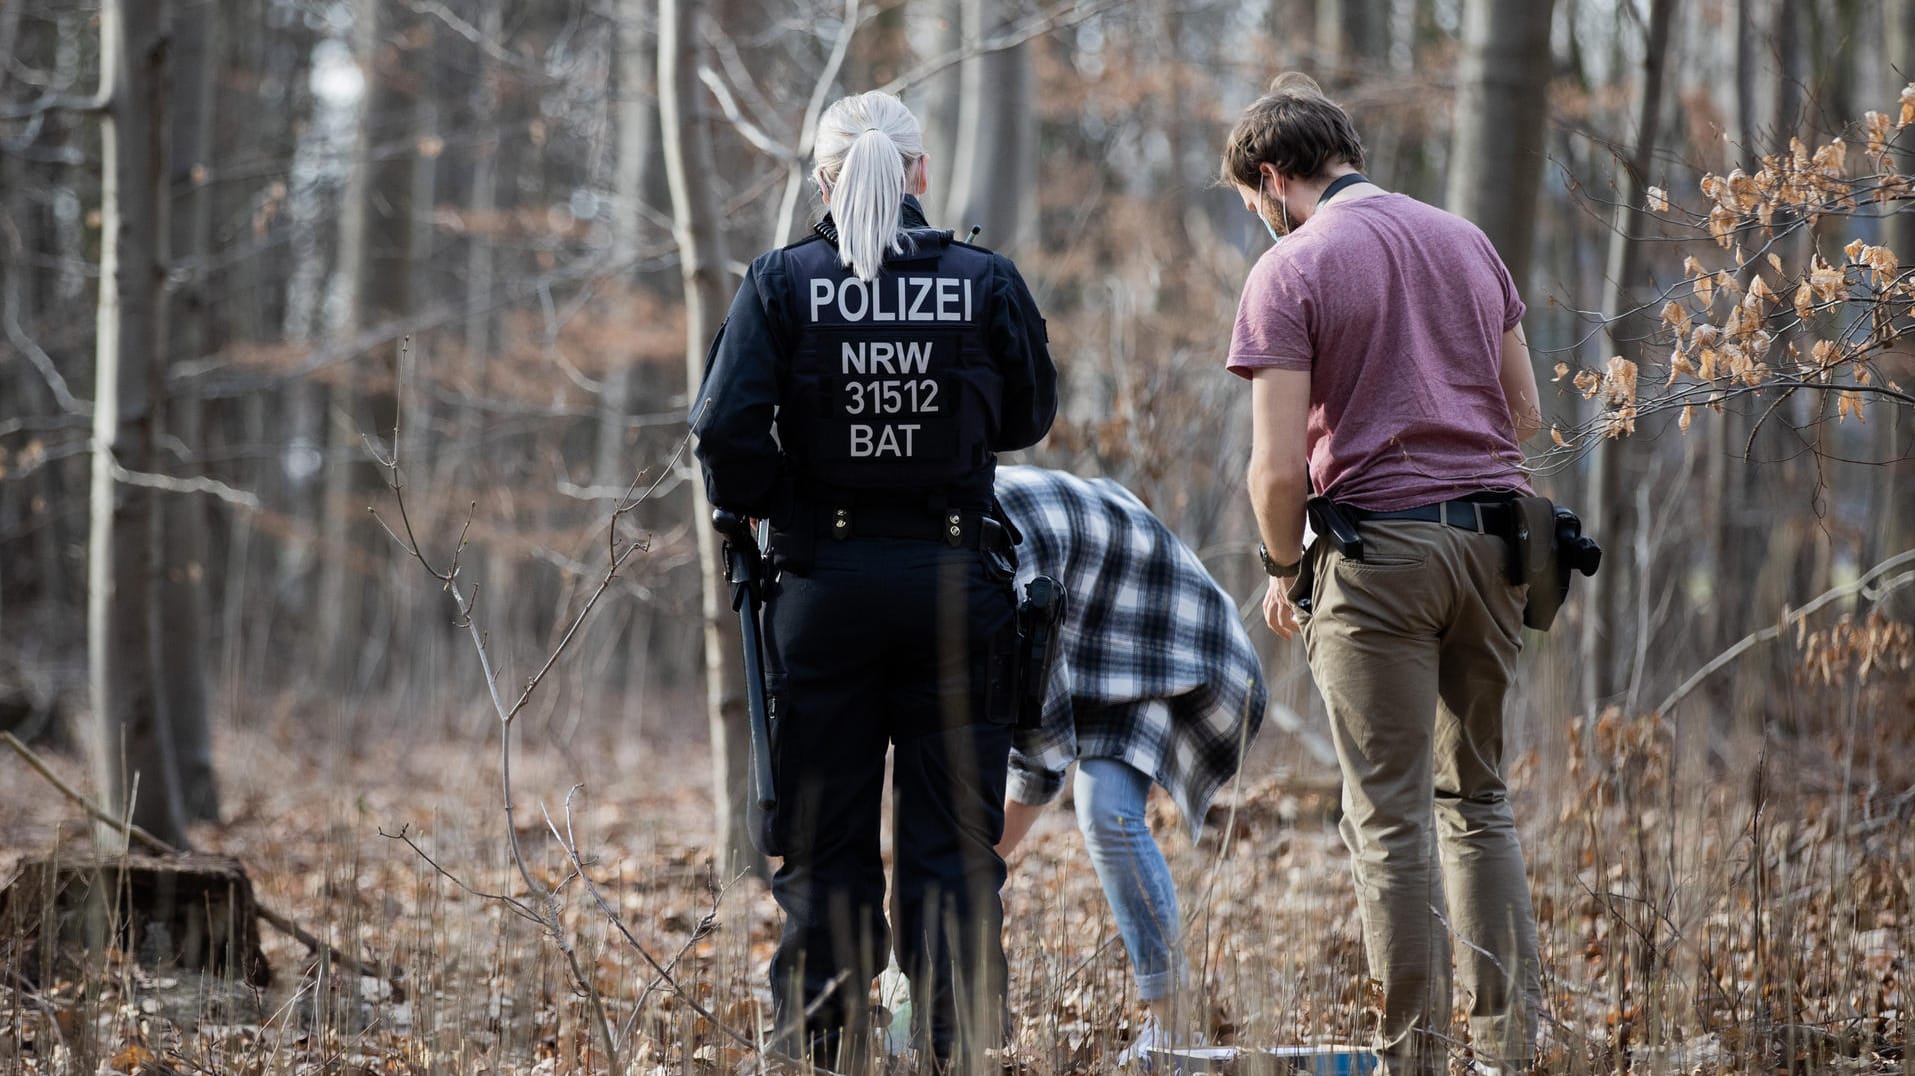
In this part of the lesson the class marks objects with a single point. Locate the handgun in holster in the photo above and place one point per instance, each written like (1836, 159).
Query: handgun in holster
(1547, 545)
(1329, 521)
(1333, 526)
(1040, 623)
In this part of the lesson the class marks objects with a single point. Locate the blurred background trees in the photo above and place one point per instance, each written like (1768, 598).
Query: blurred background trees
(503, 234)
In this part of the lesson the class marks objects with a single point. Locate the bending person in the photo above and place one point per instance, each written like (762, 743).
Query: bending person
(1155, 680)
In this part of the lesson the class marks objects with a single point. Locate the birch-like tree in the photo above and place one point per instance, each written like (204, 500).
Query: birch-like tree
(1502, 100)
(136, 757)
(685, 136)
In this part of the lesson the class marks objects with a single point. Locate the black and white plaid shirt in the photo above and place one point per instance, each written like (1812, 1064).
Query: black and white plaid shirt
(1154, 668)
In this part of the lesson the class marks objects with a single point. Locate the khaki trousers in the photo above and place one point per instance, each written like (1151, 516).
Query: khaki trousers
(1413, 650)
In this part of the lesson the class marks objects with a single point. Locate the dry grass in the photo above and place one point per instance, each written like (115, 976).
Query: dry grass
(1714, 898)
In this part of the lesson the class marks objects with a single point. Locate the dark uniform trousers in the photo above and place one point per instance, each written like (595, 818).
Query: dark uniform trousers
(908, 643)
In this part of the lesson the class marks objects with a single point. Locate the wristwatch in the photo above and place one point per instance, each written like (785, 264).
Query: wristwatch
(1274, 570)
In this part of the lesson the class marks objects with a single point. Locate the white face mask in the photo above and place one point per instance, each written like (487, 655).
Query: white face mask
(1264, 216)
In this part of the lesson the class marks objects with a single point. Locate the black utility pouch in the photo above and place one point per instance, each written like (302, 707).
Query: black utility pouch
(1547, 544)
(1532, 548)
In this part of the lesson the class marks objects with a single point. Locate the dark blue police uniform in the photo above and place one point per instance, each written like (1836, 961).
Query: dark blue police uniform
(862, 419)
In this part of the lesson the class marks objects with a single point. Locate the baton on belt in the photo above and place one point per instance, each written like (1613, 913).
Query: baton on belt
(745, 571)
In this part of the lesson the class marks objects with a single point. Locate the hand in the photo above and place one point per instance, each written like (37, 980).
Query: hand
(1018, 818)
(1276, 608)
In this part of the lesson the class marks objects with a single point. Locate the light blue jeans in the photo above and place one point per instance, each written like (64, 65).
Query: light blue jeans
(1110, 810)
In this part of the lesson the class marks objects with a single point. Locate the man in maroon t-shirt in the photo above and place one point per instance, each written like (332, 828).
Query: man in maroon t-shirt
(1388, 372)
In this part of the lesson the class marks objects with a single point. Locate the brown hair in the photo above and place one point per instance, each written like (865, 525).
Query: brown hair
(1293, 127)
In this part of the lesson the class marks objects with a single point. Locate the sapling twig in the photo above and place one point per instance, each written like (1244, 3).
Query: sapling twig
(543, 906)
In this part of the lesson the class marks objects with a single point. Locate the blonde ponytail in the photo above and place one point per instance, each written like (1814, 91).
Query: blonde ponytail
(866, 145)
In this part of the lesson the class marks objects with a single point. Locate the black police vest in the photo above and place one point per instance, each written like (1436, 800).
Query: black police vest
(892, 383)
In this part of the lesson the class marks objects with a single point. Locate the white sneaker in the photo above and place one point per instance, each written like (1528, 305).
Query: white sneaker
(1150, 1036)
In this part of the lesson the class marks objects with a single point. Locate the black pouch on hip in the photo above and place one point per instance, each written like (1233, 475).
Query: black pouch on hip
(1546, 545)
(1532, 559)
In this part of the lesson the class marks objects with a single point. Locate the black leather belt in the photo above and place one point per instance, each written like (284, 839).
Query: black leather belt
(959, 528)
(1484, 517)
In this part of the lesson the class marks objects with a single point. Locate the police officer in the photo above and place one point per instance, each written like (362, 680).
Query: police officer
(856, 397)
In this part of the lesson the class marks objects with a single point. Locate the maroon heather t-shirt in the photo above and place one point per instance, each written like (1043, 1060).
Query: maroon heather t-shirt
(1397, 309)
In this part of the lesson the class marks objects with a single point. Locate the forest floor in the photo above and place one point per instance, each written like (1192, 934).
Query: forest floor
(1710, 902)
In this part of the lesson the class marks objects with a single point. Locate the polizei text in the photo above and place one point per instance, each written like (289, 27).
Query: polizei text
(892, 298)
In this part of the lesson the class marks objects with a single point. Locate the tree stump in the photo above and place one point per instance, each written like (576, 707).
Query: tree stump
(194, 912)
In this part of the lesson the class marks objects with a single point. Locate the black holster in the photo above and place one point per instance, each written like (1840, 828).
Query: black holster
(1333, 525)
(1303, 588)
(1040, 623)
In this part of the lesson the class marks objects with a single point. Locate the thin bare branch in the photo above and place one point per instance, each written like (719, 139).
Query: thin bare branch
(1012, 37)
(807, 130)
(404, 835)
(1775, 630)
(93, 811)
(671, 466)
(390, 533)
(591, 987)
(37, 356)
(544, 905)
(471, 33)
(618, 923)
(198, 484)
(55, 102)
(728, 105)
(618, 559)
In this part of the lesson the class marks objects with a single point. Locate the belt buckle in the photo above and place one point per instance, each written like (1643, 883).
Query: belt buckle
(1472, 518)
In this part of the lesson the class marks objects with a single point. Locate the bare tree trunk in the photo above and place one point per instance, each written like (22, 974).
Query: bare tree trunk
(1732, 552)
(1497, 149)
(686, 138)
(341, 584)
(395, 83)
(262, 578)
(420, 182)
(135, 749)
(1610, 514)
(25, 391)
(1894, 506)
(941, 113)
(484, 204)
(881, 51)
(1180, 129)
(182, 589)
(621, 648)
(1349, 33)
(307, 398)
(996, 153)
(1785, 38)
(1772, 477)
(638, 160)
